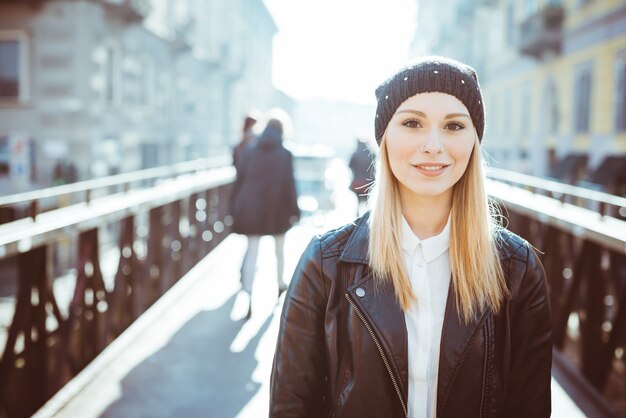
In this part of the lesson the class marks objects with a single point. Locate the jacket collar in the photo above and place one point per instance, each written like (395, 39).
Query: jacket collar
(355, 250)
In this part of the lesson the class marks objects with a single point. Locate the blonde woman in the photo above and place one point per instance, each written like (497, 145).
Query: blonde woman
(425, 307)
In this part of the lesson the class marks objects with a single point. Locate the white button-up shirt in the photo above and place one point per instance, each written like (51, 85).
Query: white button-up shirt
(427, 263)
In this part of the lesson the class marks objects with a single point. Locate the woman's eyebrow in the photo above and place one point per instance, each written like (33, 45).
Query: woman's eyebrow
(422, 114)
(456, 115)
(417, 112)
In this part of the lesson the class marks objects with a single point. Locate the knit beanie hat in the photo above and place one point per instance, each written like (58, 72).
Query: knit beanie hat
(430, 74)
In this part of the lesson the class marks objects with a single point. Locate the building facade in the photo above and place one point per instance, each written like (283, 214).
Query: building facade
(91, 88)
(553, 76)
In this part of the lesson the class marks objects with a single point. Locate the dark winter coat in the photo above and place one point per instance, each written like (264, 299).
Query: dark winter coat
(247, 140)
(264, 196)
(362, 166)
(343, 353)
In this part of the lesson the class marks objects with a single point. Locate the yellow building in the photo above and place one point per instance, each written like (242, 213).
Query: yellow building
(556, 89)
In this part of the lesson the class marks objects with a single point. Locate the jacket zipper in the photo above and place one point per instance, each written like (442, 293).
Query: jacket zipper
(482, 393)
(342, 361)
(382, 354)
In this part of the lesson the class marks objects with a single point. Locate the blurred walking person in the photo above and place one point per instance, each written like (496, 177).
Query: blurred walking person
(247, 137)
(264, 200)
(362, 166)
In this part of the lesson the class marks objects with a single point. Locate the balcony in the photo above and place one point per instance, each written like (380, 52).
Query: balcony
(542, 32)
(129, 10)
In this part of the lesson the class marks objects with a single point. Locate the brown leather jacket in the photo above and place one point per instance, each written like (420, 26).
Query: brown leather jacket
(342, 344)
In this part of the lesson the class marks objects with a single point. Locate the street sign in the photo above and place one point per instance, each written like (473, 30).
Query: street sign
(19, 160)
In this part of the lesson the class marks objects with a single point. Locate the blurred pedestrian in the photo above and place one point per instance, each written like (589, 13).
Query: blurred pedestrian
(264, 200)
(426, 307)
(247, 137)
(362, 166)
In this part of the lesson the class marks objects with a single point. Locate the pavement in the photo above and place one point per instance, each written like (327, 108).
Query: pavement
(194, 356)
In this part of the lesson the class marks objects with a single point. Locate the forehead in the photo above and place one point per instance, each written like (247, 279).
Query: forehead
(435, 102)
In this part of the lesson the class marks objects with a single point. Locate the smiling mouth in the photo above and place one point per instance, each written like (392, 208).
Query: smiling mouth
(431, 167)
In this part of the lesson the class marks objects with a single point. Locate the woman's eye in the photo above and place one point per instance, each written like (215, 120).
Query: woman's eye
(455, 126)
(412, 123)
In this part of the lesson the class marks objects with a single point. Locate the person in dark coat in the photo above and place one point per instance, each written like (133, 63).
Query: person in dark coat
(247, 138)
(264, 200)
(362, 166)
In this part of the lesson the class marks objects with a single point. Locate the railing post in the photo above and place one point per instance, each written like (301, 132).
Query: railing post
(553, 265)
(34, 209)
(194, 238)
(208, 235)
(591, 326)
(25, 358)
(571, 297)
(125, 301)
(86, 320)
(154, 285)
(177, 244)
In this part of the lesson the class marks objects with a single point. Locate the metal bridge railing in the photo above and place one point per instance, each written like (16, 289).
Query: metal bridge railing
(604, 203)
(584, 256)
(159, 231)
(111, 184)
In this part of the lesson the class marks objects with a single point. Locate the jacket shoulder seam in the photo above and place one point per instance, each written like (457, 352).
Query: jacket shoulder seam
(333, 242)
(510, 252)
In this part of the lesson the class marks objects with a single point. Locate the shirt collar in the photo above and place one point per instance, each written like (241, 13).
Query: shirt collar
(432, 247)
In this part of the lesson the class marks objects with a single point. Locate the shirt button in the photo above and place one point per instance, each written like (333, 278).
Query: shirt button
(360, 292)
(421, 264)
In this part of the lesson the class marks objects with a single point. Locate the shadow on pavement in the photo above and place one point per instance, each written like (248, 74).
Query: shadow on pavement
(195, 374)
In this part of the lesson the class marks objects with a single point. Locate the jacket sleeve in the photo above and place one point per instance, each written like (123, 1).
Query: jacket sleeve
(528, 383)
(297, 382)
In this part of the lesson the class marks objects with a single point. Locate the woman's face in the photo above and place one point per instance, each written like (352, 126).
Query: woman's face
(429, 141)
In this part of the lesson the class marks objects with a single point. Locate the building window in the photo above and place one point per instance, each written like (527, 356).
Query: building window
(511, 27)
(553, 108)
(494, 115)
(620, 92)
(13, 66)
(146, 92)
(506, 114)
(526, 119)
(110, 67)
(582, 99)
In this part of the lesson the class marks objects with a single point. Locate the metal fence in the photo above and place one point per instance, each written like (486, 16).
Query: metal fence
(584, 255)
(160, 230)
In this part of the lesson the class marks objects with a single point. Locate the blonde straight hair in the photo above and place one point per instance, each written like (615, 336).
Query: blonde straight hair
(477, 274)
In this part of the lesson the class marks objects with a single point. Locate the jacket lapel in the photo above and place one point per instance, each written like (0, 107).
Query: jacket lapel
(378, 303)
(455, 337)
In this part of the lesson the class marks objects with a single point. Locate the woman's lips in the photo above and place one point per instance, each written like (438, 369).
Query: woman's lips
(431, 170)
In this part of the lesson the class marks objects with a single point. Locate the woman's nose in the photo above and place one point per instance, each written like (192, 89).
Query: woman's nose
(432, 144)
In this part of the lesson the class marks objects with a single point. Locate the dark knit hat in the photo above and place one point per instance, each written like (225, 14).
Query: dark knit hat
(430, 74)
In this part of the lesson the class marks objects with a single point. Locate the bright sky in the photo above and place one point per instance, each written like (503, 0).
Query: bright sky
(339, 49)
